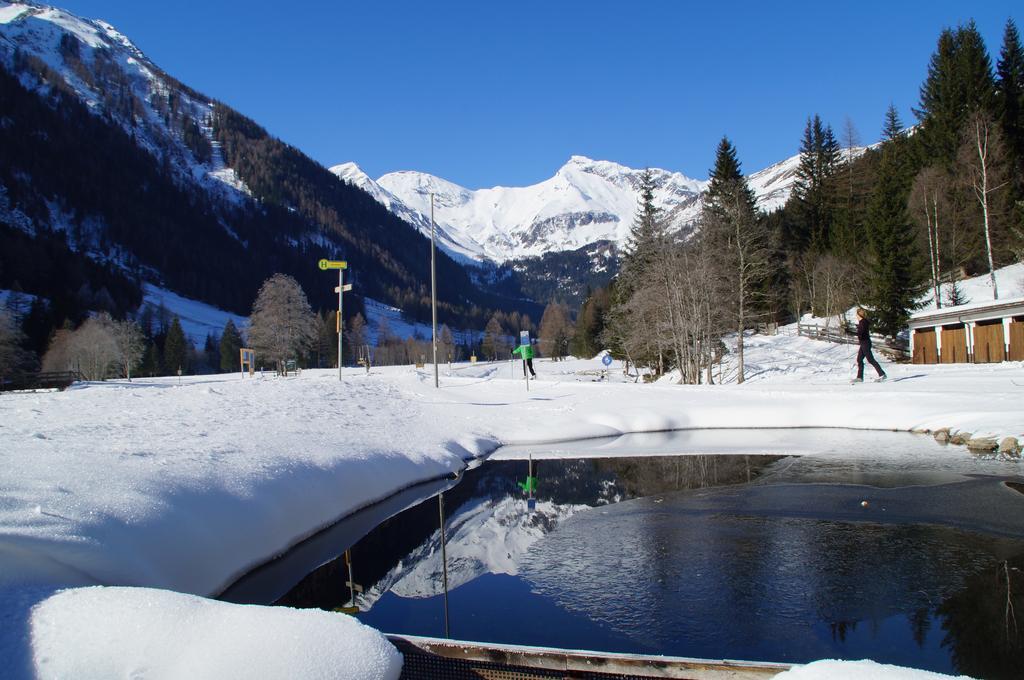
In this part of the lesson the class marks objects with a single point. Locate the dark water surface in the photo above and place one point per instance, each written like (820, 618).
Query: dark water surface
(907, 561)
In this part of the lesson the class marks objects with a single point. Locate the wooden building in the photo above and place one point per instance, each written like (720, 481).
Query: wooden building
(978, 332)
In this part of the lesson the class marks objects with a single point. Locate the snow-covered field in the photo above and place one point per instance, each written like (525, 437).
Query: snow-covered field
(184, 485)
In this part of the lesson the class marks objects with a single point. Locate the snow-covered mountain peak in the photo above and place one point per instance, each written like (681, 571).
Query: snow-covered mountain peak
(586, 201)
(351, 173)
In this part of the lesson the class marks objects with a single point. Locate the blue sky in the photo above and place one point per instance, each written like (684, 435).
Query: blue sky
(490, 92)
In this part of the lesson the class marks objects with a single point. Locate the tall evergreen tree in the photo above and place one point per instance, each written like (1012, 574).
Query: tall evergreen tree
(1010, 111)
(230, 346)
(896, 274)
(646, 235)
(813, 189)
(725, 179)
(959, 82)
(736, 233)
(176, 350)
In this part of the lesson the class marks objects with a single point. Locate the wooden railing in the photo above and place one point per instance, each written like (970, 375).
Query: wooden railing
(49, 380)
(826, 333)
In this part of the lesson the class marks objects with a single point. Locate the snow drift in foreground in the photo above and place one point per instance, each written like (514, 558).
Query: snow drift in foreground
(858, 670)
(139, 632)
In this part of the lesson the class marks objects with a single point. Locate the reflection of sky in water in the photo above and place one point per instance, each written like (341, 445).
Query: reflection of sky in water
(788, 567)
(763, 588)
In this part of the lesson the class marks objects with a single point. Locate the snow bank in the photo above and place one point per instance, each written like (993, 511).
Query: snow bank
(136, 632)
(857, 670)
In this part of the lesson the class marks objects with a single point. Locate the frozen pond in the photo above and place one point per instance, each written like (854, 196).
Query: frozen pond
(862, 545)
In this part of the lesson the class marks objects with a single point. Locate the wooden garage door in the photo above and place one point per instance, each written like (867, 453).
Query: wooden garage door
(989, 346)
(954, 344)
(925, 346)
(1017, 341)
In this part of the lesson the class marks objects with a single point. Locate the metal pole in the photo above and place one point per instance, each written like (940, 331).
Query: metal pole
(340, 289)
(433, 289)
(444, 563)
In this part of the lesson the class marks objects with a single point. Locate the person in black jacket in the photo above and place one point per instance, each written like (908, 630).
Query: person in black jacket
(864, 340)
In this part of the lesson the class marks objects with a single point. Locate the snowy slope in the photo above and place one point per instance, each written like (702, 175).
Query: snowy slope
(198, 319)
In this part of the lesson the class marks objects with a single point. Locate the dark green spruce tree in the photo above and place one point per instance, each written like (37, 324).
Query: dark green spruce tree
(176, 349)
(959, 82)
(646, 237)
(726, 178)
(230, 344)
(814, 189)
(1010, 112)
(896, 275)
(646, 240)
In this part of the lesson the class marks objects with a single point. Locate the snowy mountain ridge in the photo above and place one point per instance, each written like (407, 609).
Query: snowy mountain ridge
(586, 201)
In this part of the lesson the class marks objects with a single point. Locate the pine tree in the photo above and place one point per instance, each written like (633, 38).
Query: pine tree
(1010, 111)
(892, 128)
(813, 189)
(230, 347)
(210, 357)
(959, 82)
(590, 324)
(646, 237)
(896, 274)
(736, 233)
(150, 366)
(176, 349)
(725, 177)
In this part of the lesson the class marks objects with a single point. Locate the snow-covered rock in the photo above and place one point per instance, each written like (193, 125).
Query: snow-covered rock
(140, 632)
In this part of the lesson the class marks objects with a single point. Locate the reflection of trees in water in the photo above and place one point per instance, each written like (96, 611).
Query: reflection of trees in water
(984, 622)
(649, 476)
(840, 630)
(920, 624)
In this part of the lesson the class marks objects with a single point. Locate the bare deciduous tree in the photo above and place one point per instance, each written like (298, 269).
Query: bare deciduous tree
(281, 325)
(929, 208)
(983, 159)
(835, 286)
(555, 331)
(90, 349)
(130, 344)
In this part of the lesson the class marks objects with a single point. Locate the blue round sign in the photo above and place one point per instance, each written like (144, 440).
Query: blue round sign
(606, 360)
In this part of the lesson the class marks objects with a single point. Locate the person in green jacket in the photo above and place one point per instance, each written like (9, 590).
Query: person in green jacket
(526, 352)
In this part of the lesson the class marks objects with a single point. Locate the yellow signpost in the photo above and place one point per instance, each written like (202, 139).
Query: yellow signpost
(341, 266)
(326, 264)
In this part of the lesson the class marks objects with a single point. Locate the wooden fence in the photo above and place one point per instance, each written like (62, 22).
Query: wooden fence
(59, 380)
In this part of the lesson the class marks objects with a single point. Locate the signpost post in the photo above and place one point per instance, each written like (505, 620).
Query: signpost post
(341, 266)
(524, 345)
(433, 291)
